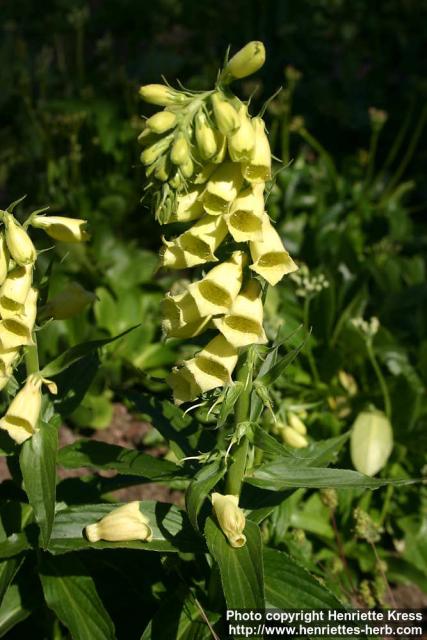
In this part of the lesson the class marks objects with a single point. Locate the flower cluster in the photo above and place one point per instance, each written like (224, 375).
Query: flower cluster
(18, 311)
(207, 163)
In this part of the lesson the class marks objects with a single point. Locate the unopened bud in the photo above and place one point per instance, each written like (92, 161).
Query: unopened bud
(293, 438)
(179, 152)
(19, 242)
(246, 61)
(61, 228)
(230, 518)
(121, 524)
(22, 416)
(226, 116)
(161, 122)
(205, 137)
(161, 95)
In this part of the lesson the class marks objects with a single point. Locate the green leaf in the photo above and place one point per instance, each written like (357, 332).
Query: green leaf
(100, 455)
(241, 569)
(179, 618)
(8, 570)
(317, 453)
(276, 477)
(171, 529)
(70, 592)
(15, 544)
(231, 395)
(279, 367)
(13, 609)
(371, 442)
(204, 481)
(290, 586)
(38, 466)
(76, 353)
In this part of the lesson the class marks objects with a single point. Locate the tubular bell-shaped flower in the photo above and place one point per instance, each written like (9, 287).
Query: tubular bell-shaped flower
(230, 518)
(18, 241)
(126, 522)
(270, 258)
(241, 142)
(222, 188)
(61, 228)
(200, 241)
(245, 219)
(16, 329)
(22, 416)
(181, 316)
(243, 325)
(15, 288)
(216, 292)
(188, 207)
(258, 168)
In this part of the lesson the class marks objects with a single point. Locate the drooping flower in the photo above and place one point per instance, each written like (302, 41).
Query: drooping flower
(121, 524)
(230, 518)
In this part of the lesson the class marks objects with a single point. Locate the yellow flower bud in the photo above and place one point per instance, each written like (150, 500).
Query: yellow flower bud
(16, 329)
(246, 61)
(161, 122)
(161, 95)
(212, 366)
(15, 288)
(226, 116)
(271, 260)
(187, 168)
(69, 302)
(181, 316)
(160, 169)
(22, 416)
(188, 207)
(152, 153)
(61, 228)
(296, 423)
(18, 241)
(258, 168)
(230, 518)
(4, 258)
(221, 143)
(245, 219)
(180, 151)
(216, 292)
(243, 325)
(241, 142)
(121, 524)
(205, 137)
(293, 438)
(222, 188)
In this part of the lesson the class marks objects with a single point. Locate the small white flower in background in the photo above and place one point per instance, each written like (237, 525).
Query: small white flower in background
(368, 327)
(307, 284)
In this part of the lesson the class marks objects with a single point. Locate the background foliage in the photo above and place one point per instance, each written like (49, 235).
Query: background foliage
(350, 205)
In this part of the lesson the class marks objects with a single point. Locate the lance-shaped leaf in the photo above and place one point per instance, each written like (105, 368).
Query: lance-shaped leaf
(201, 485)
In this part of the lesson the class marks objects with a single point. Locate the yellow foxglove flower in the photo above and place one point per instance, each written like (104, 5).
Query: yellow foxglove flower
(22, 416)
(205, 137)
(241, 142)
(202, 239)
(216, 292)
(222, 188)
(226, 116)
(121, 524)
(243, 325)
(15, 288)
(4, 258)
(246, 61)
(212, 366)
(161, 122)
(230, 518)
(68, 303)
(7, 361)
(188, 207)
(181, 316)
(172, 256)
(245, 219)
(293, 438)
(61, 228)
(296, 423)
(270, 258)
(180, 151)
(161, 95)
(16, 329)
(18, 241)
(258, 168)
(183, 385)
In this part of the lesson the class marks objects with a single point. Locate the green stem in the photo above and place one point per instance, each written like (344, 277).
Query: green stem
(32, 358)
(380, 377)
(309, 353)
(236, 470)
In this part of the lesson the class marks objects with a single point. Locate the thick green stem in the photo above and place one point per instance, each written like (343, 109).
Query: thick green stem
(381, 380)
(236, 470)
(32, 358)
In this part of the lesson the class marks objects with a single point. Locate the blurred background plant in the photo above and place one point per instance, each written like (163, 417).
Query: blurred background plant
(348, 131)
